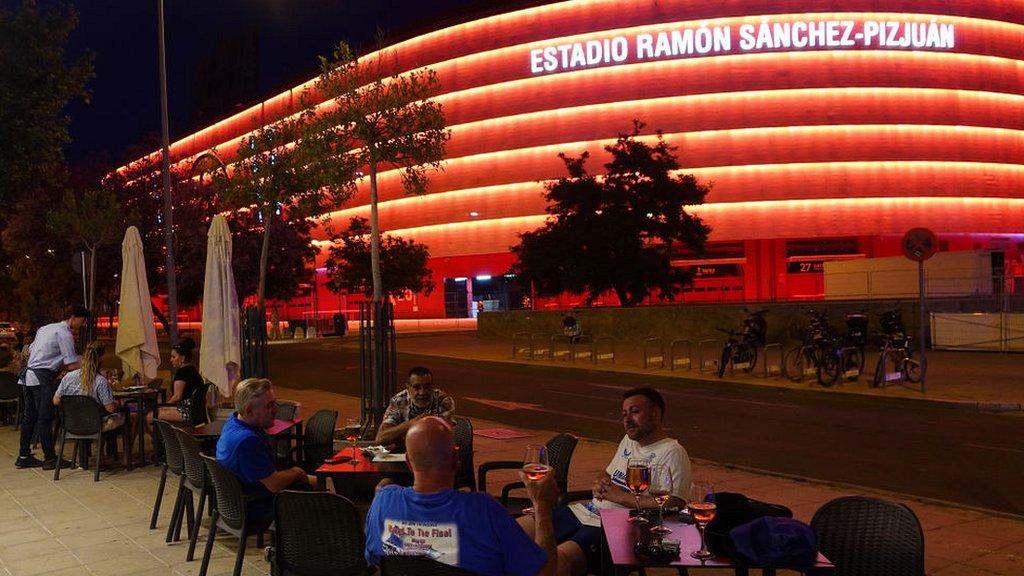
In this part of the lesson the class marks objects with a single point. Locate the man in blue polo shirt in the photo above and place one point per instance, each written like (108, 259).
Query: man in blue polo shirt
(465, 529)
(52, 351)
(244, 448)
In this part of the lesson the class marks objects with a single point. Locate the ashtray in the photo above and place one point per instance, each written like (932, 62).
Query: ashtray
(656, 550)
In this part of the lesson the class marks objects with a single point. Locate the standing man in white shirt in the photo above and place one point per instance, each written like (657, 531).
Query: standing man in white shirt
(52, 351)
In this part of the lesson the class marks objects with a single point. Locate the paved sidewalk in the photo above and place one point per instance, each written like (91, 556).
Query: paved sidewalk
(77, 526)
(973, 380)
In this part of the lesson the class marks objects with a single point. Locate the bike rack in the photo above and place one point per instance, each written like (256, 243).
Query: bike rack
(607, 354)
(843, 354)
(658, 357)
(707, 364)
(675, 360)
(577, 349)
(540, 352)
(518, 340)
(557, 352)
(771, 369)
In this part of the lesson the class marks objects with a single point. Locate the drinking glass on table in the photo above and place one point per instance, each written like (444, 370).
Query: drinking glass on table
(352, 427)
(638, 480)
(661, 490)
(535, 466)
(701, 505)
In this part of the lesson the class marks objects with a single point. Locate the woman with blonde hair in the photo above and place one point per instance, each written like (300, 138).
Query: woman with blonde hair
(87, 381)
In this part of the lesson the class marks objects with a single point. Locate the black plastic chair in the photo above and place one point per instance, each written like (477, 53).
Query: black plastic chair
(174, 463)
(194, 482)
(285, 411)
(10, 395)
(316, 534)
(464, 476)
(197, 407)
(418, 566)
(560, 449)
(316, 443)
(81, 419)
(228, 514)
(864, 536)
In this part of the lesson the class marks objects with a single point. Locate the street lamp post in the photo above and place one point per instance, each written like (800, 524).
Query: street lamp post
(168, 214)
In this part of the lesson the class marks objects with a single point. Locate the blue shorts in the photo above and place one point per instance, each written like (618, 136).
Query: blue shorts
(588, 538)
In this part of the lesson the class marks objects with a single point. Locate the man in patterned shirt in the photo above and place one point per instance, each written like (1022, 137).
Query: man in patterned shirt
(418, 400)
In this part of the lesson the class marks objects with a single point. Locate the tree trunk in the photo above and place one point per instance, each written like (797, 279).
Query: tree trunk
(160, 317)
(378, 291)
(264, 253)
(92, 278)
(624, 298)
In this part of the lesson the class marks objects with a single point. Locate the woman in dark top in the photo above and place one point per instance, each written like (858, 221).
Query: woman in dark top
(185, 381)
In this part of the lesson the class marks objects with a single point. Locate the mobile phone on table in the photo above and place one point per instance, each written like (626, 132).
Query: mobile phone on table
(337, 459)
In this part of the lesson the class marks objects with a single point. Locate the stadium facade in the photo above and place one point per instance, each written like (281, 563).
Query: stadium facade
(827, 128)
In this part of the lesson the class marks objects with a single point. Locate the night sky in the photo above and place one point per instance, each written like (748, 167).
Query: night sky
(282, 40)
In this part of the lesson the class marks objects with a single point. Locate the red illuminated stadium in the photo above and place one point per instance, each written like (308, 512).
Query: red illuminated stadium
(827, 128)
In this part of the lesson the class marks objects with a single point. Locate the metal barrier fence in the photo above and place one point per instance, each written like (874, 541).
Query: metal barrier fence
(653, 352)
(683, 361)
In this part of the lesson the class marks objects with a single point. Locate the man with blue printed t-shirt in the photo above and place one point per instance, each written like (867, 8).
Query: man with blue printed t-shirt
(469, 530)
(52, 351)
(244, 448)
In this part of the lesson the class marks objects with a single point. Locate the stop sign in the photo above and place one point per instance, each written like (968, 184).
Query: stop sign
(920, 244)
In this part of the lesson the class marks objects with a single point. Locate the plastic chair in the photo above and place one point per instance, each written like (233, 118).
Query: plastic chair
(418, 566)
(560, 449)
(197, 407)
(316, 443)
(464, 476)
(316, 533)
(229, 513)
(81, 418)
(174, 462)
(194, 481)
(10, 395)
(865, 536)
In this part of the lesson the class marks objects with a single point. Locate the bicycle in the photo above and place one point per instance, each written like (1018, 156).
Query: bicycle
(896, 363)
(825, 353)
(740, 350)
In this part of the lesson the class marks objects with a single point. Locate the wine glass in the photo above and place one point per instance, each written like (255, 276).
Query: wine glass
(352, 427)
(701, 504)
(535, 466)
(638, 480)
(661, 490)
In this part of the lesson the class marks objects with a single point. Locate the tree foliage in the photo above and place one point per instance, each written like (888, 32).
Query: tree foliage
(378, 121)
(403, 263)
(37, 80)
(617, 231)
(271, 175)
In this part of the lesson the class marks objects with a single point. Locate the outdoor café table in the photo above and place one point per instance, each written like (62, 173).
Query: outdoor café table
(366, 473)
(139, 395)
(620, 536)
(211, 430)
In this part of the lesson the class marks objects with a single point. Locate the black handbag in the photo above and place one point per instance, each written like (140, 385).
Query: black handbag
(734, 509)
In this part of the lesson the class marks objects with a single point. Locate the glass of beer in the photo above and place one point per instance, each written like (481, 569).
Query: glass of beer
(701, 505)
(535, 466)
(638, 480)
(661, 490)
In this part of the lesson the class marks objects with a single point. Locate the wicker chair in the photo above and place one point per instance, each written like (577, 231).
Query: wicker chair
(560, 450)
(195, 481)
(10, 396)
(316, 443)
(81, 418)
(418, 566)
(315, 534)
(464, 476)
(867, 536)
(174, 462)
(229, 513)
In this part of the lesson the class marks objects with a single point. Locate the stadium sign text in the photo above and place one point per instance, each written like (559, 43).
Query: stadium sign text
(706, 40)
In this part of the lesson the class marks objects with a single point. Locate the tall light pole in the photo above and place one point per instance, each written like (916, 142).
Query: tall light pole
(168, 215)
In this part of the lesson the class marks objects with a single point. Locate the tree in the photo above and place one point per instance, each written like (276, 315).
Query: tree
(616, 232)
(272, 177)
(92, 219)
(403, 263)
(378, 122)
(287, 257)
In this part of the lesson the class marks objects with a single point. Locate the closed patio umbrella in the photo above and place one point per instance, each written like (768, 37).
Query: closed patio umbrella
(220, 353)
(136, 336)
